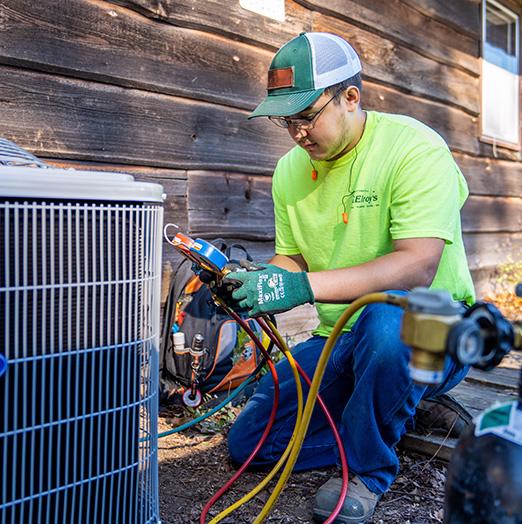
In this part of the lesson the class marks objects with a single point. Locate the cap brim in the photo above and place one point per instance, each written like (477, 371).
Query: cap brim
(286, 104)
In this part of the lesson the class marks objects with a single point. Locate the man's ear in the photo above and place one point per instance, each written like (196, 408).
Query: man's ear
(352, 97)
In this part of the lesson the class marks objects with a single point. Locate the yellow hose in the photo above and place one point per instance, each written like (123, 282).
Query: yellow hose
(282, 460)
(314, 388)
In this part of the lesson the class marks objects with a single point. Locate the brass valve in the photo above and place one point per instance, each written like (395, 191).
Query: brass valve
(427, 321)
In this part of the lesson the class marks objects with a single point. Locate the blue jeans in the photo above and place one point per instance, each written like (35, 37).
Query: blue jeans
(367, 389)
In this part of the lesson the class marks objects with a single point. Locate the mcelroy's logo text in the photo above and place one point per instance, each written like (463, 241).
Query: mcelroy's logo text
(365, 198)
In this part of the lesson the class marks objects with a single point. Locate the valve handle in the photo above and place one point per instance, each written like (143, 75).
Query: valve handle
(465, 343)
(496, 332)
(192, 401)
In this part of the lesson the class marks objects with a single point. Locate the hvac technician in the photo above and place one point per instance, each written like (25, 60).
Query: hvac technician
(365, 202)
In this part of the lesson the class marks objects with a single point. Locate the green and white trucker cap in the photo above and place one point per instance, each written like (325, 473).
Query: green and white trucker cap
(302, 69)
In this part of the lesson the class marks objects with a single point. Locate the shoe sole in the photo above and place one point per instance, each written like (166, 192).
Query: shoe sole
(321, 516)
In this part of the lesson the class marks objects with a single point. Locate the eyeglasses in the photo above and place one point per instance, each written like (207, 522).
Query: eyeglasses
(305, 122)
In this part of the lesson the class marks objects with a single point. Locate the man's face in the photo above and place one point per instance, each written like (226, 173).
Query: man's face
(330, 135)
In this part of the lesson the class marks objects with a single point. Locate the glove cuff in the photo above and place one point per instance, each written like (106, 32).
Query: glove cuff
(308, 294)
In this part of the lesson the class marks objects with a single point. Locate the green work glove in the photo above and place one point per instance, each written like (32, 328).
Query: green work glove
(270, 290)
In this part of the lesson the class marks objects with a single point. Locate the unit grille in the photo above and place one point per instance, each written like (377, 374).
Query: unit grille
(79, 292)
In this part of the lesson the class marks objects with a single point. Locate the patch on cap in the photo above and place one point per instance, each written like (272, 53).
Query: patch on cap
(302, 69)
(278, 78)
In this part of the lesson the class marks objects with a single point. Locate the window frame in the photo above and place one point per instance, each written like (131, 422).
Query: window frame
(509, 9)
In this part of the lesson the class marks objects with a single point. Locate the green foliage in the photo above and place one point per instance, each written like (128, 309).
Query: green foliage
(242, 340)
(218, 422)
(503, 296)
(508, 276)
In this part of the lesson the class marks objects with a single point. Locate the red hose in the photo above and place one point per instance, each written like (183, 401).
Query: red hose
(239, 472)
(268, 427)
(342, 453)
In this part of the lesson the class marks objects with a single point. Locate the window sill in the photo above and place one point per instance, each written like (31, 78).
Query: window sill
(500, 143)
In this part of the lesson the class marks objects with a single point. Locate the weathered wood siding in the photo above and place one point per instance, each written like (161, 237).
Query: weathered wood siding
(162, 88)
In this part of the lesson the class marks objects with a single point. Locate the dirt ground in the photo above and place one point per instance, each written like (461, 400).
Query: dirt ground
(193, 465)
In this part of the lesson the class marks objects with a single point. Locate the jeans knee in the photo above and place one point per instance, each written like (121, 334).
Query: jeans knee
(379, 340)
(384, 319)
(389, 360)
(241, 444)
(250, 424)
(237, 449)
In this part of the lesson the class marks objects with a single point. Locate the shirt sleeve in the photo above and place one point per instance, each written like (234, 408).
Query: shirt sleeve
(285, 243)
(427, 194)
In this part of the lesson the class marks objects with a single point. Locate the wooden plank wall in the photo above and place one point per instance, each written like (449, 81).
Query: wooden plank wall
(162, 88)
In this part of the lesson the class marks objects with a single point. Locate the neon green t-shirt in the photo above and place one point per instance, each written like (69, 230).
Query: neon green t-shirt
(400, 181)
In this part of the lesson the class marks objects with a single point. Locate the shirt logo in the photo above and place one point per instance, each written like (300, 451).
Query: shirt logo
(364, 198)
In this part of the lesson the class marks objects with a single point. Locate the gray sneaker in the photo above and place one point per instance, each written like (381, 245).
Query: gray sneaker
(358, 506)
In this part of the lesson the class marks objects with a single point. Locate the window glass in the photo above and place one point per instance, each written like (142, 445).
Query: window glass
(500, 68)
(500, 30)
